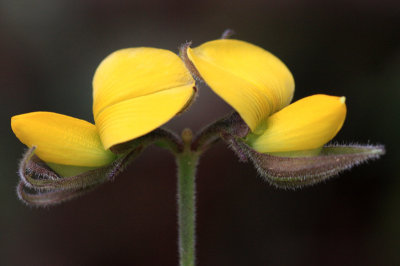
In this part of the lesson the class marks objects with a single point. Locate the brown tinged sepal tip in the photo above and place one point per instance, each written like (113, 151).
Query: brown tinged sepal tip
(228, 33)
(189, 65)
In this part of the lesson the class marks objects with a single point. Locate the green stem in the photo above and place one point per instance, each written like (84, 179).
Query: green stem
(187, 163)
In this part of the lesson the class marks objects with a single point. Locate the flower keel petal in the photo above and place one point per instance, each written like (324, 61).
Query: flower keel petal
(61, 139)
(304, 125)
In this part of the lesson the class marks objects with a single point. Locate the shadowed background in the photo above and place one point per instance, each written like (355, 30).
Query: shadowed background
(49, 51)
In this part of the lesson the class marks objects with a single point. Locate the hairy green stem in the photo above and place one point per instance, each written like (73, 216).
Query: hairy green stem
(187, 163)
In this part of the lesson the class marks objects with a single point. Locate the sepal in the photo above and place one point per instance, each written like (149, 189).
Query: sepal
(161, 137)
(292, 172)
(229, 127)
(227, 34)
(48, 198)
(183, 54)
(41, 186)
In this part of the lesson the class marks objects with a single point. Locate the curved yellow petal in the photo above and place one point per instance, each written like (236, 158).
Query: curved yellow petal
(134, 72)
(304, 125)
(133, 118)
(253, 81)
(61, 139)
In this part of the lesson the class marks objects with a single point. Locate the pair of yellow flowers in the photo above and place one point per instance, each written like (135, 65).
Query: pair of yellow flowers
(136, 90)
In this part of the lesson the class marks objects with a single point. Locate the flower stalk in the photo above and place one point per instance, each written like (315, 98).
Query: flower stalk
(187, 163)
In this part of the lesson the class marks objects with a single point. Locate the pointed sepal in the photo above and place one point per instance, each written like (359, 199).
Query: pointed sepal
(161, 137)
(292, 172)
(229, 127)
(41, 186)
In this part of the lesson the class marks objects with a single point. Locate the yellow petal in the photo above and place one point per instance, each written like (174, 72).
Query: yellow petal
(133, 118)
(304, 125)
(61, 139)
(253, 81)
(134, 72)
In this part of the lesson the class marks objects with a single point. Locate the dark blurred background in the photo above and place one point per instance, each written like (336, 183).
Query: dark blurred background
(49, 51)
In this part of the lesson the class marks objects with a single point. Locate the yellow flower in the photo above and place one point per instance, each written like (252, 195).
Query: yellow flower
(259, 87)
(135, 91)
